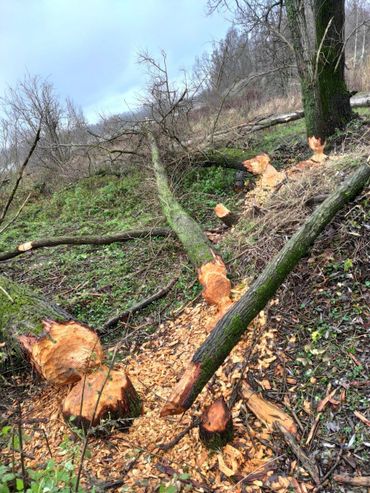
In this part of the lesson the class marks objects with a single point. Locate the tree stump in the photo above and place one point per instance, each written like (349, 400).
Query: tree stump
(64, 352)
(102, 395)
(216, 426)
(225, 215)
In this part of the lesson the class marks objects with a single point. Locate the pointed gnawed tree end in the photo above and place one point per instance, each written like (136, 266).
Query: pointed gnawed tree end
(225, 215)
(177, 403)
(216, 285)
(103, 395)
(64, 352)
(216, 426)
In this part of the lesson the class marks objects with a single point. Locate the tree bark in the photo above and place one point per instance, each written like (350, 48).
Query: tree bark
(326, 100)
(22, 311)
(334, 97)
(188, 231)
(85, 240)
(234, 323)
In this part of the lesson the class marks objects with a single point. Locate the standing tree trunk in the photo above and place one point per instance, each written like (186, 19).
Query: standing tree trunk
(320, 63)
(334, 97)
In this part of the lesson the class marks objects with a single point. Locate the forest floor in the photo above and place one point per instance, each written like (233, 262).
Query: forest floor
(311, 342)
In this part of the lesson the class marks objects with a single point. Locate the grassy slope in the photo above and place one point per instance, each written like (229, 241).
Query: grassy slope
(322, 315)
(95, 282)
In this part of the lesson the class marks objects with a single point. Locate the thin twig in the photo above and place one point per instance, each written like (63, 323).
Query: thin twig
(20, 176)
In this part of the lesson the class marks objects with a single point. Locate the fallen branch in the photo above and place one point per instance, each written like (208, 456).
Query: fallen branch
(139, 306)
(352, 480)
(85, 240)
(357, 101)
(230, 328)
(303, 458)
(19, 177)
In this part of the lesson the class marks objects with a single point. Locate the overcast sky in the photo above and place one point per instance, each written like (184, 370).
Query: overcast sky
(88, 48)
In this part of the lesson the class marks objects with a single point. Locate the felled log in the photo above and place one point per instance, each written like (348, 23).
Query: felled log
(225, 215)
(230, 328)
(190, 234)
(188, 231)
(266, 411)
(85, 240)
(102, 395)
(216, 425)
(357, 101)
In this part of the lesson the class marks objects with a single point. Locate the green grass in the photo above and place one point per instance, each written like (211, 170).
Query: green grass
(94, 283)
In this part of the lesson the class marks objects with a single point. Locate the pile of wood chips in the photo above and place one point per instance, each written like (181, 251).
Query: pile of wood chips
(134, 456)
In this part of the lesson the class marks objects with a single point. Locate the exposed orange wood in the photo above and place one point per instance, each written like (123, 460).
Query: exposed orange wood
(317, 146)
(265, 411)
(217, 287)
(102, 394)
(64, 352)
(174, 406)
(261, 166)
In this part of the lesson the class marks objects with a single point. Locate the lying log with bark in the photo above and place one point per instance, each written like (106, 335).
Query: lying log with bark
(357, 101)
(230, 328)
(85, 240)
(188, 231)
(211, 269)
(64, 352)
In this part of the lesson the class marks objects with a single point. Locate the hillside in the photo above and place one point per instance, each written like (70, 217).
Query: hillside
(309, 348)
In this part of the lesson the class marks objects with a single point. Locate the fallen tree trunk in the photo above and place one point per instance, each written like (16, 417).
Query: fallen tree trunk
(211, 269)
(63, 352)
(357, 101)
(234, 323)
(85, 240)
(188, 231)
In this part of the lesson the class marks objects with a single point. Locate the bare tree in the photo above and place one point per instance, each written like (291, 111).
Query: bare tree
(316, 36)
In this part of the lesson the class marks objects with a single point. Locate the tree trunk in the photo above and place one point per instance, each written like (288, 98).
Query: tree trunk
(188, 231)
(64, 352)
(103, 395)
(211, 269)
(234, 323)
(326, 100)
(334, 97)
